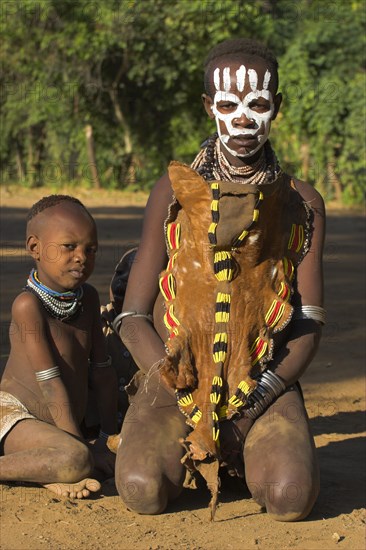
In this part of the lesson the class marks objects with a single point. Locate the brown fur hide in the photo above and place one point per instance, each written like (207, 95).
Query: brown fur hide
(258, 273)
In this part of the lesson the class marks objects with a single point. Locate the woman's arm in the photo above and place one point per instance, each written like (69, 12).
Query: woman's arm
(138, 333)
(294, 357)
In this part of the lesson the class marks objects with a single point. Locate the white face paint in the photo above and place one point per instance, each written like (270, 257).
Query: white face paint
(260, 118)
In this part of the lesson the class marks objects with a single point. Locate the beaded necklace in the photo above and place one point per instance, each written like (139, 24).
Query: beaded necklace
(212, 164)
(61, 305)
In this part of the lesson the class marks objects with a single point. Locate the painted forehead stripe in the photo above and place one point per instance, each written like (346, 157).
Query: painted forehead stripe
(267, 78)
(253, 79)
(217, 78)
(240, 79)
(227, 80)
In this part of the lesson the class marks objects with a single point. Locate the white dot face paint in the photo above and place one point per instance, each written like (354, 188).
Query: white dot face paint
(247, 135)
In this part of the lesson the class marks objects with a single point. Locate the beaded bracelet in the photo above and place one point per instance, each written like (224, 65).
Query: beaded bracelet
(116, 323)
(102, 364)
(47, 374)
(269, 387)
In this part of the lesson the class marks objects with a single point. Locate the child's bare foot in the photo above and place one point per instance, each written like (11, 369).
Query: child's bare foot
(81, 489)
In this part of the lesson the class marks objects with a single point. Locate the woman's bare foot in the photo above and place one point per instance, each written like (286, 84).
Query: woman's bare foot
(81, 489)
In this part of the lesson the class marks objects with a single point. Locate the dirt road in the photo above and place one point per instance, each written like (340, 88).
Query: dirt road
(334, 391)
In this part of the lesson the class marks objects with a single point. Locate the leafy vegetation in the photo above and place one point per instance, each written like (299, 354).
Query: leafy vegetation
(106, 93)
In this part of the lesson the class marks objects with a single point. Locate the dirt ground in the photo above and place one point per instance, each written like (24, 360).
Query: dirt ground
(31, 518)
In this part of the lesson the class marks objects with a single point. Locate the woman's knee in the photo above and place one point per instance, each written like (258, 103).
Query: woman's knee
(141, 492)
(285, 500)
(292, 501)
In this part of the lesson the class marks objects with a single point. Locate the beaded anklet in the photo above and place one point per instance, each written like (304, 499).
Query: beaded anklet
(61, 305)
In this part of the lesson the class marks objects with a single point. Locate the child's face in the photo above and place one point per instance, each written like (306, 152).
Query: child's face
(63, 241)
(244, 103)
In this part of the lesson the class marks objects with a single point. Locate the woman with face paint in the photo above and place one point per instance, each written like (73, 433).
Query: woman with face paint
(224, 308)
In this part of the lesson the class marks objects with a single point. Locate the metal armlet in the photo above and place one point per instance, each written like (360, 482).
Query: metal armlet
(316, 313)
(47, 374)
(116, 323)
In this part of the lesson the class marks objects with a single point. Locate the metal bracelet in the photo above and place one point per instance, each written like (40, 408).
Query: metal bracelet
(316, 313)
(102, 364)
(47, 374)
(116, 323)
(269, 387)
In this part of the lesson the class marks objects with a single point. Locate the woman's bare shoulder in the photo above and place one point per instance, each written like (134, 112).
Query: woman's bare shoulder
(162, 190)
(310, 195)
(156, 211)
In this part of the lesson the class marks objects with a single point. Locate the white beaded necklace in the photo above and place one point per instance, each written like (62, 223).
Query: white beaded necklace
(61, 305)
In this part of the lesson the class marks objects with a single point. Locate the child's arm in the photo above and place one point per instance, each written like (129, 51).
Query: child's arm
(27, 312)
(294, 357)
(103, 378)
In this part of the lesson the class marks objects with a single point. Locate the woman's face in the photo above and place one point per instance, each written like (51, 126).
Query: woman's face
(244, 103)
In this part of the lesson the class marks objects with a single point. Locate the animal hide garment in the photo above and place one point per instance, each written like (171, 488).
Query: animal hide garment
(233, 251)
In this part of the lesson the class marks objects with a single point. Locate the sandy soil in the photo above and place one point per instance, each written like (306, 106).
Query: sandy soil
(31, 518)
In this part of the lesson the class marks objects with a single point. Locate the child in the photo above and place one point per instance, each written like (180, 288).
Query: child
(236, 246)
(57, 346)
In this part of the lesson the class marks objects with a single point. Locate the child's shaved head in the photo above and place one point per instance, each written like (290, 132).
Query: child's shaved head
(48, 202)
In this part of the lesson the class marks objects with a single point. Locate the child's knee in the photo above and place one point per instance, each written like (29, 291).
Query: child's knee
(76, 463)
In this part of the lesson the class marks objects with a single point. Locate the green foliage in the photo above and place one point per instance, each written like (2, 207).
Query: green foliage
(132, 70)
(323, 114)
